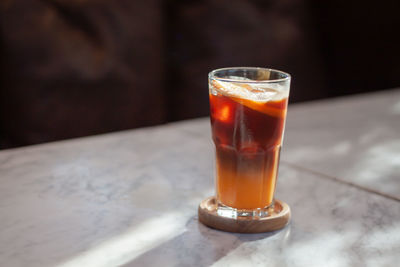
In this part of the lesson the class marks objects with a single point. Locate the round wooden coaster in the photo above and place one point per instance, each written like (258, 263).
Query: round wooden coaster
(278, 218)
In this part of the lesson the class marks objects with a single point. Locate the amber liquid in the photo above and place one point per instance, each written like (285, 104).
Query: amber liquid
(248, 136)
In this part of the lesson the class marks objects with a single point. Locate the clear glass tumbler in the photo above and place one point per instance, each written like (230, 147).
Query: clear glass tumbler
(248, 112)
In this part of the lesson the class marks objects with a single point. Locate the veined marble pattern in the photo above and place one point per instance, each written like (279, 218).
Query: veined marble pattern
(355, 139)
(59, 200)
(333, 225)
(130, 198)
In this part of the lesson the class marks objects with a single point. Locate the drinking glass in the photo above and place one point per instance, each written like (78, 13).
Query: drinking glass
(248, 111)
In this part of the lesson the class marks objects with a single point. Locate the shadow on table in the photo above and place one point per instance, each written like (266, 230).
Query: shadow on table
(201, 246)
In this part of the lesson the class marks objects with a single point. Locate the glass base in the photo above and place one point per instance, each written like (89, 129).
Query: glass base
(229, 212)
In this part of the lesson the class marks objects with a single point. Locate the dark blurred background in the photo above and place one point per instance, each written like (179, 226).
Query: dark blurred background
(73, 68)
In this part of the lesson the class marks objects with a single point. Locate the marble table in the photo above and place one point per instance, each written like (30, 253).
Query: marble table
(130, 198)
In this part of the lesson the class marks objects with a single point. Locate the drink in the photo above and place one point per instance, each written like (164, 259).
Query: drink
(247, 119)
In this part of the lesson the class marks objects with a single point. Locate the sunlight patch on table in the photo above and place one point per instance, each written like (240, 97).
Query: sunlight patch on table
(377, 163)
(396, 108)
(121, 249)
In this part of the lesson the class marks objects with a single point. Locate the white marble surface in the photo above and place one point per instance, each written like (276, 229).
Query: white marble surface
(130, 198)
(355, 139)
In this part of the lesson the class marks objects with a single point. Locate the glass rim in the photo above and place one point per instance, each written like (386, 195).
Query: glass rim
(211, 75)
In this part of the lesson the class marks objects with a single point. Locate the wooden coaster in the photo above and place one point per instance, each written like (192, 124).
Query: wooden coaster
(278, 218)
